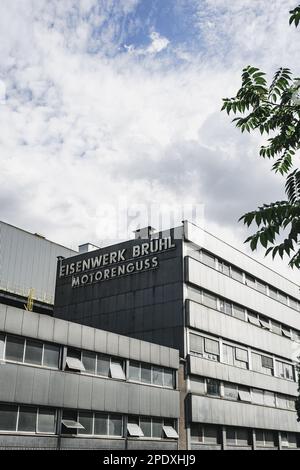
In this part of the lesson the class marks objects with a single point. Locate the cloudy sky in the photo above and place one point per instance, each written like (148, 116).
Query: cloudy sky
(113, 103)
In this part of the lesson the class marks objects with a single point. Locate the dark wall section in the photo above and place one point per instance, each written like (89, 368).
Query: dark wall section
(147, 305)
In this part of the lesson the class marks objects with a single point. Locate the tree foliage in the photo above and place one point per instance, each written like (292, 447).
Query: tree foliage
(273, 109)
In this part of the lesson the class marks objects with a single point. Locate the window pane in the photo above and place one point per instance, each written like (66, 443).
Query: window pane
(224, 268)
(115, 425)
(46, 421)
(89, 361)
(276, 327)
(27, 419)
(145, 424)
(282, 297)
(14, 348)
(213, 387)
(168, 378)
(257, 396)
(134, 370)
(231, 391)
(273, 293)
(116, 369)
(211, 346)
(269, 399)
(146, 373)
(241, 354)
(196, 432)
(267, 362)
(75, 353)
(51, 355)
(157, 375)
(265, 323)
(261, 287)
(260, 438)
(270, 440)
(211, 434)
(8, 417)
(237, 274)
(156, 428)
(230, 436)
(103, 365)
(228, 354)
(86, 420)
(238, 312)
(101, 424)
(208, 259)
(225, 307)
(196, 343)
(33, 352)
(252, 318)
(209, 300)
(250, 281)
(242, 436)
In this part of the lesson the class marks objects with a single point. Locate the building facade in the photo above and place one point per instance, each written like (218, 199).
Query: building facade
(68, 386)
(235, 322)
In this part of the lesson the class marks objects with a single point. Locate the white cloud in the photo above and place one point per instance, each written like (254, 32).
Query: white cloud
(84, 126)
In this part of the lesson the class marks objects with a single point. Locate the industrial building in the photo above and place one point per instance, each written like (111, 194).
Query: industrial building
(69, 386)
(172, 340)
(235, 322)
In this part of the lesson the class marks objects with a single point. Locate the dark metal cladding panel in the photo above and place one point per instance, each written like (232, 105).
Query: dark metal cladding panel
(147, 305)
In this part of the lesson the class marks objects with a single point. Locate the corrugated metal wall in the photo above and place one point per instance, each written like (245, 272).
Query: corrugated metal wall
(28, 261)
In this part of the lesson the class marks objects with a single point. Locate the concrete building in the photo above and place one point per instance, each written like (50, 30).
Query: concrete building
(235, 322)
(69, 386)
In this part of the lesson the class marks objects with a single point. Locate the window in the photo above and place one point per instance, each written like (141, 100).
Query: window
(225, 307)
(86, 420)
(286, 331)
(8, 417)
(288, 439)
(206, 434)
(296, 335)
(263, 364)
(253, 318)
(101, 424)
(103, 365)
(133, 427)
(265, 438)
(265, 323)
(89, 362)
(157, 375)
(14, 350)
(237, 437)
(224, 268)
(231, 391)
(208, 259)
(116, 369)
(294, 304)
(237, 274)
(145, 424)
(284, 370)
(250, 281)
(115, 425)
(282, 298)
(211, 346)
(213, 387)
(73, 360)
(134, 370)
(169, 378)
(235, 356)
(33, 352)
(27, 419)
(238, 312)
(269, 398)
(275, 327)
(261, 287)
(46, 421)
(170, 432)
(146, 373)
(273, 293)
(70, 422)
(209, 300)
(196, 343)
(228, 354)
(257, 396)
(244, 394)
(51, 355)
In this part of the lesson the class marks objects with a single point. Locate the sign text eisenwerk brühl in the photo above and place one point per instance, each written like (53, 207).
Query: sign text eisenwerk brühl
(140, 257)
